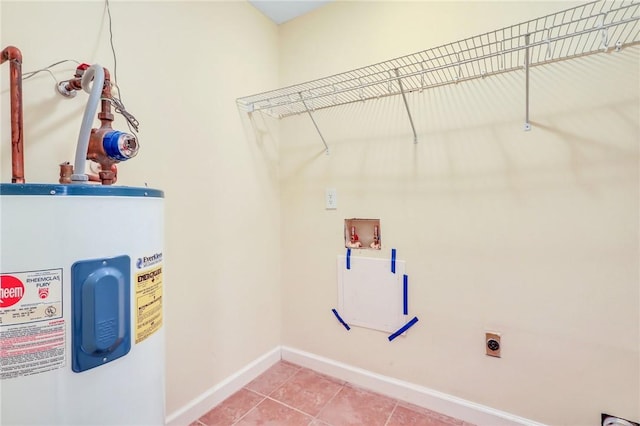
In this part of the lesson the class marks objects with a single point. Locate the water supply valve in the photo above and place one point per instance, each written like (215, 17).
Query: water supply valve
(69, 88)
(108, 147)
(120, 146)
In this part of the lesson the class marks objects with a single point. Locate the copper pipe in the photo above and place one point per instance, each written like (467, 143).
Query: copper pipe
(93, 178)
(66, 170)
(74, 84)
(108, 174)
(105, 106)
(105, 115)
(108, 177)
(95, 151)
(13, 55)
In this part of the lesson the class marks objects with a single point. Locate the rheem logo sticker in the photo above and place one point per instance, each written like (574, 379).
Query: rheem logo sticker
(11, 290)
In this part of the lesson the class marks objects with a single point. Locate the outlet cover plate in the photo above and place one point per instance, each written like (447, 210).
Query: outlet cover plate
(331, 199)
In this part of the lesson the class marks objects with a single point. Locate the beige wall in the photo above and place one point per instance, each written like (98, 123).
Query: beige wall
(534, 235)
(531, 234)
(180, 67)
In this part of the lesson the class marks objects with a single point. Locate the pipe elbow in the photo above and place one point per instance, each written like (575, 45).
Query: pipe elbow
(11, 53)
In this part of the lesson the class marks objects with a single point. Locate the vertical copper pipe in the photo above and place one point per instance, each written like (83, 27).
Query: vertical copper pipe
(95, 152)
(13, 55)
(105, 115)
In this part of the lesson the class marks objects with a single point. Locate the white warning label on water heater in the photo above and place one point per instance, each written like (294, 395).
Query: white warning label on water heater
(32, 330)
(30, 296)
(31, 349)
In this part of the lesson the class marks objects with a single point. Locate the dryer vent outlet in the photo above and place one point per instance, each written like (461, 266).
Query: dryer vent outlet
(609, 420)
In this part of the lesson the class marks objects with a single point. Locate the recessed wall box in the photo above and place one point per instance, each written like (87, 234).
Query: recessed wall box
(362, 234)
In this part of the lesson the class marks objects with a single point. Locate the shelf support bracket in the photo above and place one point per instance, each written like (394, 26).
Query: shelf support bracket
(406, 104)
(527, 124)
(326, 147)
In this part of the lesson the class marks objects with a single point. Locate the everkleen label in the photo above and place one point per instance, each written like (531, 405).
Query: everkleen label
(148, 302)
(146, 261)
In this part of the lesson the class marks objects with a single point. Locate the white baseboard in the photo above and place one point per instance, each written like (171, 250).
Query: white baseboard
(409, 392)
(419, 395)
(221, 391)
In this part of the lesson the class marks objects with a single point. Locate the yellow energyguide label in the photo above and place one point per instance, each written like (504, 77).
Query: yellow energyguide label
(148, 303)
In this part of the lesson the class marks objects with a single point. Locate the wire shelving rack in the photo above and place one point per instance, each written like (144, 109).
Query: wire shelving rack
(598, 26)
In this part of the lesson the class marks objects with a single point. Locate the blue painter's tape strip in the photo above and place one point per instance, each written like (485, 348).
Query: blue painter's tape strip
(341, 320)
(393, 261)
(403, 328)
(348, 258)
(405, 295)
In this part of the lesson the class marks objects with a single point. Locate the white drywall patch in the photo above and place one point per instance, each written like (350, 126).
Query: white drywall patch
(369, 294)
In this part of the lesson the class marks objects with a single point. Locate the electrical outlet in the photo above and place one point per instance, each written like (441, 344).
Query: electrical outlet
(331, 199)
(609, 420)
(493, 344)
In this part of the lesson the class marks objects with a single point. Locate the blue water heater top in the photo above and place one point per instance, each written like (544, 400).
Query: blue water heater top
(82, 190)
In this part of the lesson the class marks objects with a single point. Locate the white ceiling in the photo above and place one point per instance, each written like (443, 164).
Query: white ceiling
(280, 11)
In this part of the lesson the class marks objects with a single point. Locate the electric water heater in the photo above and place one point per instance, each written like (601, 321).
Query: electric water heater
(81, 305)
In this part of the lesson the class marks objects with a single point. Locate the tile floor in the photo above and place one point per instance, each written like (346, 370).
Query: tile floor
(289, 395)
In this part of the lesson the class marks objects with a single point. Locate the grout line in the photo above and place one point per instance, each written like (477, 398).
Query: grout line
(289, 406)
(283, 362)
(250, 410)
(282, 384)
(254, 391)
(300, 368)
(327, 403)
(264, 396)
(391, 413)
(278, 386)
(288, 378)
(330, 399)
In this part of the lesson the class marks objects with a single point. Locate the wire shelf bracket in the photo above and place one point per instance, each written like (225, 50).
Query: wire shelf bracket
(406, 104)
(600, 26)
(527, 124)
(326, 147)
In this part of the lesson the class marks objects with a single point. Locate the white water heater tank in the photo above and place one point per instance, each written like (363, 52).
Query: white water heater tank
(81, 305)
